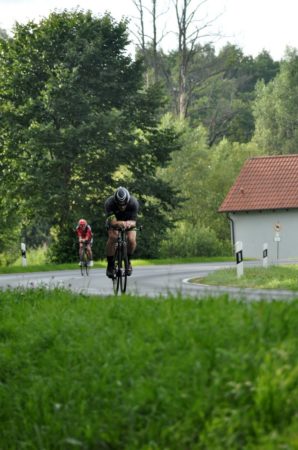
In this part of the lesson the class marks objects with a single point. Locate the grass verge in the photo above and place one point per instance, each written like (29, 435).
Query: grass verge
(132, 373)
(272, 277)
(42, 267)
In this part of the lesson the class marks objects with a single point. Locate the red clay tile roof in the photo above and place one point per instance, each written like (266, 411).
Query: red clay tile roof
(269, 182)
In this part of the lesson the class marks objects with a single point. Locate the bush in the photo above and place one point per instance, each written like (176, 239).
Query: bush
(64, 246)
(187, 241)
(10, 255)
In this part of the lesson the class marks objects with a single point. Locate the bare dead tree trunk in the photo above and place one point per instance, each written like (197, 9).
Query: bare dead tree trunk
(141, 28)
(183, 56)
(154, 41)
(141, 32)
(189, 32)
(192, 28)
(153, 38)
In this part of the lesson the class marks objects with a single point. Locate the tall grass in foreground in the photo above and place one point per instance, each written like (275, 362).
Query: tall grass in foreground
(133, 373)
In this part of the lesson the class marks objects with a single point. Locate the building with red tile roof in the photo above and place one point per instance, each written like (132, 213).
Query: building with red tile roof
(262, 206)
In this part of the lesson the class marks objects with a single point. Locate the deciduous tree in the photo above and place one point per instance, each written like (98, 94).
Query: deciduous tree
(276, 109)
(76, 122)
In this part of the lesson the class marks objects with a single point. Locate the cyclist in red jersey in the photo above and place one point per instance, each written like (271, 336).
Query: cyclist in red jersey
(84, 233)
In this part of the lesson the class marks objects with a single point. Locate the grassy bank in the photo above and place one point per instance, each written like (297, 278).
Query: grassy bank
(272, 277)
(132, 373)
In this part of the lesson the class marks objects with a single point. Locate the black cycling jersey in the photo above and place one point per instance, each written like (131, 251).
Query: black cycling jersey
(130, 212)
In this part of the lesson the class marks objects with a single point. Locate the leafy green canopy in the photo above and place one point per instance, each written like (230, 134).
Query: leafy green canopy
(207, 173)
(75, 123)
(276, 110)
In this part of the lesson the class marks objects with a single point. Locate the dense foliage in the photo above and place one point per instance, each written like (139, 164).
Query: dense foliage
(79, 116)
(76, 122)
(276, 110)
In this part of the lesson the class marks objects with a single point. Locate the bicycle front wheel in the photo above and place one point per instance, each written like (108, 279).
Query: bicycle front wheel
(82, 267)
(124, 268)
(84, 264)
(117, 272)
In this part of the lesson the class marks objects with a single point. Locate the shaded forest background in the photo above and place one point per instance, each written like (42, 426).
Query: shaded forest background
(79, 116)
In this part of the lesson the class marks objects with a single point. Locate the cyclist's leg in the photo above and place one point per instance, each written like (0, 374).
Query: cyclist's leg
(131, 246)
(89, 254)
(80, 252)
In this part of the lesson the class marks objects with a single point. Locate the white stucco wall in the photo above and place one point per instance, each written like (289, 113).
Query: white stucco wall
(256, 228)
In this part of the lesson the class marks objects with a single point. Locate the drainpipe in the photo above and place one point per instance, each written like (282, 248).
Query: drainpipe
(232, 231)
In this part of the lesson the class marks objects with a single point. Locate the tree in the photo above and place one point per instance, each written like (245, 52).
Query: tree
(191, 29)
(225, 90)
(76, 122)
(3, 34)
(276, 109)
(148, 42)
(224, 163)
(206, 175)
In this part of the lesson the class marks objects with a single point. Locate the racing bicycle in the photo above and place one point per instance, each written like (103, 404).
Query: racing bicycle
(84, 261)
(121, 259)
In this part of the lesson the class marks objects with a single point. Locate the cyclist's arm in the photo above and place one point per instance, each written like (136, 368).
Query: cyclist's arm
(113, 222)
(89, 234)
(130, 223)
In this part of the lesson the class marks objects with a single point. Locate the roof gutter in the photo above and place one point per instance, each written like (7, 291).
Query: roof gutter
(232, 230)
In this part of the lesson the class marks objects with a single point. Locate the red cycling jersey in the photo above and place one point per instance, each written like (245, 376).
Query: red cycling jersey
(86, 234)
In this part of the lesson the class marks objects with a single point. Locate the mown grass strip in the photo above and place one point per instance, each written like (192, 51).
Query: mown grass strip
(133, 373)
(272, 277)
(43, 267)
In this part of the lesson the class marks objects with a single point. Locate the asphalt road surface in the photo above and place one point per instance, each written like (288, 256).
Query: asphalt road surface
(150, 281)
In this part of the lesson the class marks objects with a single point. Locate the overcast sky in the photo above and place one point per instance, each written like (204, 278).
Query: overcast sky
(254, 25)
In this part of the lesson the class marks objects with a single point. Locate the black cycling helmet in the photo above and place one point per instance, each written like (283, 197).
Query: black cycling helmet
(121, 196)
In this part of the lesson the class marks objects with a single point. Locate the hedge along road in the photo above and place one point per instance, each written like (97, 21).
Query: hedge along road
(150, 281)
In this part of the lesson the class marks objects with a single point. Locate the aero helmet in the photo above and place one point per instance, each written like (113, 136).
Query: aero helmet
(122, 196)
(82, 223)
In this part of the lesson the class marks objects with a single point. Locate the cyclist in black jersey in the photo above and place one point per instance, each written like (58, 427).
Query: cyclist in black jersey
(121, 210)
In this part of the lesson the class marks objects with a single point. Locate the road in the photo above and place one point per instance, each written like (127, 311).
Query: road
(150, 281)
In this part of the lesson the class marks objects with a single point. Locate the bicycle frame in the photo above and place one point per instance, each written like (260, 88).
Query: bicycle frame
(121, 259)
(120, 262)
(85, 268)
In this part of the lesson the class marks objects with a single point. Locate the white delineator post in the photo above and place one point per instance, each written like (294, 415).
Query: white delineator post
(277, 228)
(277, 240)
(265, 255)
(23, 251)
(239, 258)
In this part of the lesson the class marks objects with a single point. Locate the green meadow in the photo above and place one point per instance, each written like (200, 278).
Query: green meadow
(133, 373)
